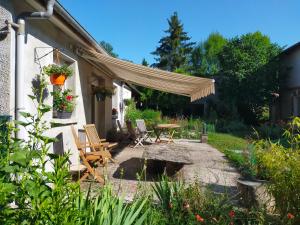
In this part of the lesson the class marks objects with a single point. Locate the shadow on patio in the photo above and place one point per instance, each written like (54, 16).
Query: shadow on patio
(135, 169)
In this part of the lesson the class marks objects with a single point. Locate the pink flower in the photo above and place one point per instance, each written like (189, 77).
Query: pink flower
(69, 97)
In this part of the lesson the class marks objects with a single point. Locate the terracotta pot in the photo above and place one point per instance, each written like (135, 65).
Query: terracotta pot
(58, 79)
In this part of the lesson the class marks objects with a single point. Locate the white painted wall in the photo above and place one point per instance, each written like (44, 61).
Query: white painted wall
(122, 92)
(41, 37)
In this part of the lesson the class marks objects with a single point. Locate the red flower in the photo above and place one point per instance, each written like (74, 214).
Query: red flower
(290, 216)
(199, 218)
(231, 214)
(69, 97)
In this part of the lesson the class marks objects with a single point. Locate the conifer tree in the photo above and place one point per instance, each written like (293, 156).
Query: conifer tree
(174, 48)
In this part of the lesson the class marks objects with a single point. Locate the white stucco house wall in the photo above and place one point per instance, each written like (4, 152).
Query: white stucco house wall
(287, 104)
(43, 38)
(122, 92)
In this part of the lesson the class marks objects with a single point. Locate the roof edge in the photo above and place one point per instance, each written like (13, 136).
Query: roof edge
(70, 20)
(291, 48)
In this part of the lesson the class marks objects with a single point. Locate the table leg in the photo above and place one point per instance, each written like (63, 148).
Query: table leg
(157, 133)
(171, 134)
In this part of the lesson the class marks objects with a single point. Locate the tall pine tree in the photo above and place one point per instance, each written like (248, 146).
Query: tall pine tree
(172, 54)
(175, 48)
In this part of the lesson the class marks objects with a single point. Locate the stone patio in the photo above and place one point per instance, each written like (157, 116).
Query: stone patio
(208, 166)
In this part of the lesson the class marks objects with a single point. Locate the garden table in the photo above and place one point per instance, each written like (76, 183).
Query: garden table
(169, 127)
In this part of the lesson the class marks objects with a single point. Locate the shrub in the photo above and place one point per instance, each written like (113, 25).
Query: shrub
(234, 127)
(195, 204)
(150, 116)
(280, 165)
(132, 113)
(268, 131)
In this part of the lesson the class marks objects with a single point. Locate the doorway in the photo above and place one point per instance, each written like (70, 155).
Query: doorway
(98, 108)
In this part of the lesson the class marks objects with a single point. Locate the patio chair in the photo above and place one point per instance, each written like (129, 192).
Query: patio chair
(88, 158)
(95, 142)
(135, 136)
(125, 135)
(144, 133)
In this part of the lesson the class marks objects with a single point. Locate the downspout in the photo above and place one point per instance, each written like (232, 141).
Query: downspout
(122, 103)
(20, 76)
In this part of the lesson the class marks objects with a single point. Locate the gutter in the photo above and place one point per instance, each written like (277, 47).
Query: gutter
(60, 11)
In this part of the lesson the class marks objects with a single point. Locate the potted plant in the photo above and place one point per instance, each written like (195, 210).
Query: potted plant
(58, 74)
(63, 103)
(114, 113)
(102, 92)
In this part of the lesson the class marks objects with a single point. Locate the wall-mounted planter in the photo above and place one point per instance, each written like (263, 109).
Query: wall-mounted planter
(101, 92)
(57, 79)
(100, 97)
(64, 115)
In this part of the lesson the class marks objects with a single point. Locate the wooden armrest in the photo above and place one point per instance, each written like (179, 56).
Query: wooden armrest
(112, 145)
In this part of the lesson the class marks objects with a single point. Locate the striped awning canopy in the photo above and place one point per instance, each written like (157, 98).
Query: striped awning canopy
(193, 87)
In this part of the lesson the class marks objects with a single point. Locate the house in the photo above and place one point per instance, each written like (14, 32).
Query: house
(36, 33)
(122, 92)
(287, 103)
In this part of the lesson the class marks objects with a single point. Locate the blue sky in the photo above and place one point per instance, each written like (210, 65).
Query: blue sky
(134, 27)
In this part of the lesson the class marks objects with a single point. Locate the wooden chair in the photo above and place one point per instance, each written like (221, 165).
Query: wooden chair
(88, 158)
(134, 135)
(95, 143)
(125, 135)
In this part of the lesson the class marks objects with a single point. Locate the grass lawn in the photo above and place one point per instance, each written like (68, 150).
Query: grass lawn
(225, 142)
(233, 148)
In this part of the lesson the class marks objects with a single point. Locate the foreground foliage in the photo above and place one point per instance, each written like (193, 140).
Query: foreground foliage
(32, 193)
(281, 166)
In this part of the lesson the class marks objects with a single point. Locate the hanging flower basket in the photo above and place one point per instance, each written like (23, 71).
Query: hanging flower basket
(58, 74)
(64, 103)
(101, 92)
(100, 97)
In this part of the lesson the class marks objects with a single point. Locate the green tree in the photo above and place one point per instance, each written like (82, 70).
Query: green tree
(175, 48)
(108, 48)
(172, 54)
(250, 73)
(204, 59)
(146, 92)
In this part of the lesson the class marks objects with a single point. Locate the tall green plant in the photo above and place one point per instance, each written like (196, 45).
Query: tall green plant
(280, 165)
(31, 194)
(108, 209)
